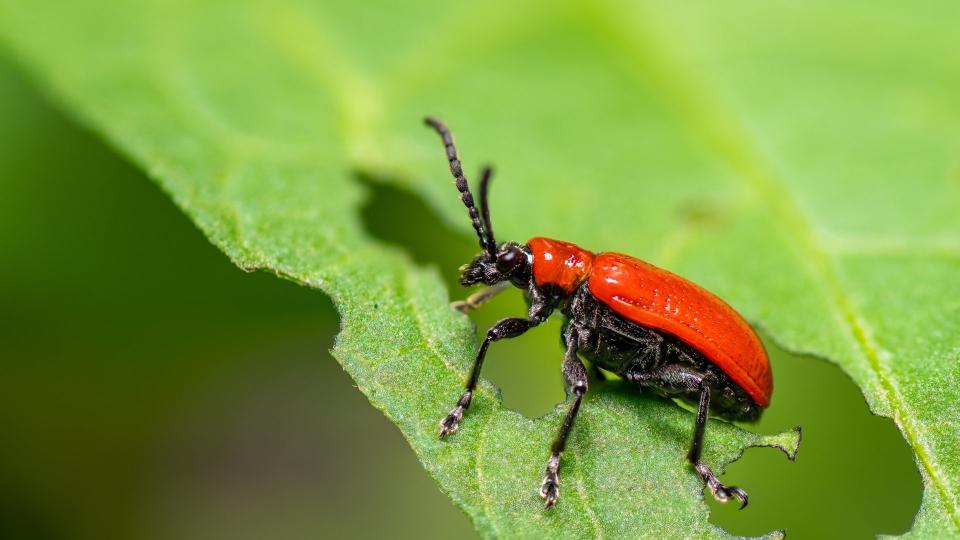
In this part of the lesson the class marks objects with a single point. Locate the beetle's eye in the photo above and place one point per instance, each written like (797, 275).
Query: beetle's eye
(509, 260)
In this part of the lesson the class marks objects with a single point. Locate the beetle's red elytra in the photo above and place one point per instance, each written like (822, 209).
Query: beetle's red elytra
(655, 329)
(655, 298)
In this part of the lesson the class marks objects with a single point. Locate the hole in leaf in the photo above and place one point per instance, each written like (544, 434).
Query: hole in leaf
(854, 476)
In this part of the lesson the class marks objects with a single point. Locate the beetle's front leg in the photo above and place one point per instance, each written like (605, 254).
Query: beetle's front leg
(506, 328)
(480, 297)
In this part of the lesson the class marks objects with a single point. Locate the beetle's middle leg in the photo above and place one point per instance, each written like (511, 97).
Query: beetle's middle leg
(576, 378)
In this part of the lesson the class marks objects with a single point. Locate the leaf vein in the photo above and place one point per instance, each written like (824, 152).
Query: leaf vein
(581, 490)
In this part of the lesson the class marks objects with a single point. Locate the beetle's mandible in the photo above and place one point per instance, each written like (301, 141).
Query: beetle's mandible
(653, 328)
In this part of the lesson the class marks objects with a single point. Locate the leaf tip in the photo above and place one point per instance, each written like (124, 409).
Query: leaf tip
(787, 442)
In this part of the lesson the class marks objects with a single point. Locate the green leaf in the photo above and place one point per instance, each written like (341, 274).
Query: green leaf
(800, 160)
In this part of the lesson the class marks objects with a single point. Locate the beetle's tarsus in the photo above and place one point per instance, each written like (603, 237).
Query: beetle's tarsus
(724, 493)
(451, 422)
(462, 306)
(721, 492)
(550, 488)
(738, 494)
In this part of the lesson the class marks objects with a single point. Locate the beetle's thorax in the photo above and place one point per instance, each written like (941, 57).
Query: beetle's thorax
(559, 265)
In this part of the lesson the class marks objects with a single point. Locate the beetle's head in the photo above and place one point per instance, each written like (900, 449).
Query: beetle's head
(511, 263)
(507, 262)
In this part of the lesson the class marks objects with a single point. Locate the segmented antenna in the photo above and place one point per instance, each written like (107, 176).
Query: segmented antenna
(485, 175)
(456, 169)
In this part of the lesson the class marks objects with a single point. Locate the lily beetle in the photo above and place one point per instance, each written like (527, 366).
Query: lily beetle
(653, 328)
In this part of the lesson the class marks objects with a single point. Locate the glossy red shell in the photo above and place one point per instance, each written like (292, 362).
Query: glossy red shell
(559, 263)
(655, 298)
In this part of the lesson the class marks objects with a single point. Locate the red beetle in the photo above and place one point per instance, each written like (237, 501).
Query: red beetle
(647, 325)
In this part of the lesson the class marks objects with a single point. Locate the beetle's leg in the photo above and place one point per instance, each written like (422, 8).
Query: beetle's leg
(720, 492)
(678, 377)
(480, 297)
(576, 378)
(506, 328)
(671, 377)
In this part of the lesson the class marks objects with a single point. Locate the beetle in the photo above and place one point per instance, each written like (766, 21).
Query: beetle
(651, 327)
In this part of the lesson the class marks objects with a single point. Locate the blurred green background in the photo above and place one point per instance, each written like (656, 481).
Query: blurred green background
(149, 389)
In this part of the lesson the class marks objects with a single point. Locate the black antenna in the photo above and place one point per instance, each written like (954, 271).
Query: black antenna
(456, 169)
(485, 175)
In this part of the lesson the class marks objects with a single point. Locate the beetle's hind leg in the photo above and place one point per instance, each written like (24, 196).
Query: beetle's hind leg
(575, 376)
(674, 377)
(720, 491)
